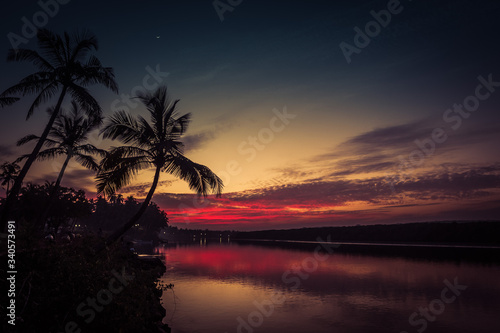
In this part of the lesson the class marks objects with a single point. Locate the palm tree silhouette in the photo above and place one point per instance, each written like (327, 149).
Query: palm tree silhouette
(9, 174)
(69, 137)
(65, 67)
(151, 144)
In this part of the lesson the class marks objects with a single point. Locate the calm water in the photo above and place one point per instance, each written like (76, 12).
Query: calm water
(251, 288)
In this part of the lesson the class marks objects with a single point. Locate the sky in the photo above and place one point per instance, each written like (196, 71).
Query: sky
(317, 113)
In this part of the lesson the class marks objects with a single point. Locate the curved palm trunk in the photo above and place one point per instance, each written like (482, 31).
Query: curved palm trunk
(19, 179)
(54, 191)
(118, 233)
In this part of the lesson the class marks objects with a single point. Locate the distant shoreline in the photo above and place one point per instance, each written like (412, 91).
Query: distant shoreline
(428, 245)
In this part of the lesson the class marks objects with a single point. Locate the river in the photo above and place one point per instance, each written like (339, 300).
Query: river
(229, 287)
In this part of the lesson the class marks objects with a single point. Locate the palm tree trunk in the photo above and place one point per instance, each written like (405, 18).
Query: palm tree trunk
(54, 191)
(118, 233)
(61, 173)
(19, 179)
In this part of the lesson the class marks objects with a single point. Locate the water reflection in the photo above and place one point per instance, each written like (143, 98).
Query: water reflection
(249, 288)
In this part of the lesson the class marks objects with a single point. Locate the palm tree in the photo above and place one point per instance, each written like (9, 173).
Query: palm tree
(69, 137)
(64, 67)
(151, 144)
(9, 174)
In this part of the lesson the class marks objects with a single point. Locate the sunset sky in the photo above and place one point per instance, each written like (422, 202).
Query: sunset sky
(407, 128)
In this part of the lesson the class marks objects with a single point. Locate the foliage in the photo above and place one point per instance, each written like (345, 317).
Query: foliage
(109, 215)
(69, 137)
(64, 65)
(69, 205)
(63, 61)
(54, 279)
(9, 174)
(151, 144)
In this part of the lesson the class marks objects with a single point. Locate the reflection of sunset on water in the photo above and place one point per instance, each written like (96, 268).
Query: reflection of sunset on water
(221, 282)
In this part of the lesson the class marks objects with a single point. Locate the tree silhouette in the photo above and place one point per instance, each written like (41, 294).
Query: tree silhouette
(9, 174)
(151, 144)
(68, 137)
(64, 67)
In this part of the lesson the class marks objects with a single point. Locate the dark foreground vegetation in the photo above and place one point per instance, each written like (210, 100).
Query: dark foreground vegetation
(66, 288)
(72, 214)
(60, 273)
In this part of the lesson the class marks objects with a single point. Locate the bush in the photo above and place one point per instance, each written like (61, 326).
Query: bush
(55, 279)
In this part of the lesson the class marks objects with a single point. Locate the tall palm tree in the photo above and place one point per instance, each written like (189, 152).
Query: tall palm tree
(64, 67)
(155, 144)
(69, 137)
(9, 174)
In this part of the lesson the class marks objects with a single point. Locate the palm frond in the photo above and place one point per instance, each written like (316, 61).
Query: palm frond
(47, 92)
(21, 158)
(92, 72)
(147, 132)
(111, 180)
(87, 161)
(199, 177)
(85, 41)
(50, 153)
(171, 110)
(31, 84)
(29, 55)
(26, 139)
(117, 155)
(121, 126)
(51, 46)
(90, 149)
(85, 100)
(5, 101)
(180, 126)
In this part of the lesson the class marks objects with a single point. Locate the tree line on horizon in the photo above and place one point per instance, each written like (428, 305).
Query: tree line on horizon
(65, 68)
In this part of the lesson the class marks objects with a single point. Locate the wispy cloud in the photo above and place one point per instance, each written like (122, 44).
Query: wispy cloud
(200, 139)
(381, 150)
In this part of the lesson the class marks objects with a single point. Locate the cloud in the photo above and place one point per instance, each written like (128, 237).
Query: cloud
(343, 202)
(199, 140)
(6, 152)
(383, 149)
